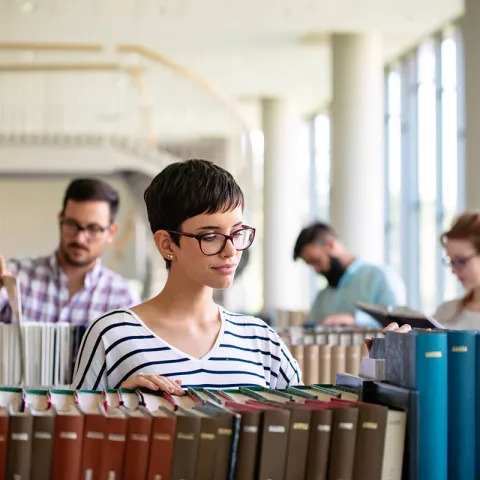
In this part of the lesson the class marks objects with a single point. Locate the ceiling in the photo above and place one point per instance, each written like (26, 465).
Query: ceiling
(247, 49)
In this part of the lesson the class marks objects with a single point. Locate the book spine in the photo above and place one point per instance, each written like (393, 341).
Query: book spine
(4, 423)
(342, 450)
(42, 447)
(298, 443)
(248, 445)
(319, 444)
(477, 407)
(273, 444)
(137, 447)
(19, 447)
(161, 448)
(461, 405)
(432, 384)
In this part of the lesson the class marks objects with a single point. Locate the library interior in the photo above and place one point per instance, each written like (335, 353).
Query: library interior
(239, 250)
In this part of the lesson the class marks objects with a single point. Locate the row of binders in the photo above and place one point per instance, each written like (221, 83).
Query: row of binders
(439, 372)
(38, 353)
(322, 353)
(435, 376)
(305, 432)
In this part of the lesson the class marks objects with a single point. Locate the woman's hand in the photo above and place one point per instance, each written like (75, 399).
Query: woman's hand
(392, 326)
(154, 382)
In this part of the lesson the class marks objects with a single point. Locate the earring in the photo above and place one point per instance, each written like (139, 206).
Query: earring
(170, 257)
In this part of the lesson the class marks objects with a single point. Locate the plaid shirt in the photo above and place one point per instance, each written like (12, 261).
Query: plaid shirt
(45, 296)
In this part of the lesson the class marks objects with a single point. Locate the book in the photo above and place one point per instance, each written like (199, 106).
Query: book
(401, 454)
(418, 360)
(385, 315)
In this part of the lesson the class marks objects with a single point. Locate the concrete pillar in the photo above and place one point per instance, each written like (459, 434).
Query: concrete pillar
(357, 113)
(470, 103)
(281, 224)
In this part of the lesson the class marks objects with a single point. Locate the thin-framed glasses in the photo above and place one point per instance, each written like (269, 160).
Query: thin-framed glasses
(214, 243)
(72, 227)
(458, 262)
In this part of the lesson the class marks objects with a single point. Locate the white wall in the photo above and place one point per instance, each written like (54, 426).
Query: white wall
(28, 219)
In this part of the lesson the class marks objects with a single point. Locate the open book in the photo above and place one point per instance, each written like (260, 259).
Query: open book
(401, 315)
(13, 293)
(12, 288)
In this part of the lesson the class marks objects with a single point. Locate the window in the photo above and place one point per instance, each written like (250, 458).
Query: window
(423, 166)
(427, 174)
(319, 174)
(394, 168)
(449, 148)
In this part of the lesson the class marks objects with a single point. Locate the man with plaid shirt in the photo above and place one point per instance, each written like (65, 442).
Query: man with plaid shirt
(72, 285)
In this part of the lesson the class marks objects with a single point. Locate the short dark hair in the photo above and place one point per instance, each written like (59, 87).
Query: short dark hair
(92, 190)
(189, 188)
(315, 233)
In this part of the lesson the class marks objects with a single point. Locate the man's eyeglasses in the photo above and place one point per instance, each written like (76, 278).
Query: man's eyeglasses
(213, 243)
(92, 231)
(459, 262)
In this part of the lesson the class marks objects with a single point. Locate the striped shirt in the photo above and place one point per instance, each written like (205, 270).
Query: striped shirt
(45, 296)
(247, 352)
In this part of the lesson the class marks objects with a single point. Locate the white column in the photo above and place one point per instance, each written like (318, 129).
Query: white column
(470, 25)
(357, 190)
(281, 223)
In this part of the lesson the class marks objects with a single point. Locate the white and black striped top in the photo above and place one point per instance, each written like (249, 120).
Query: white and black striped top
(118, 345)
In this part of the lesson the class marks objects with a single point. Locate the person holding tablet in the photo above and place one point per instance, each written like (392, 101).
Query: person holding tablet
(181, 337)
(462, 248)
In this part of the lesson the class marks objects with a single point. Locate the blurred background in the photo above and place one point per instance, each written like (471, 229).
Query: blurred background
(362, 113)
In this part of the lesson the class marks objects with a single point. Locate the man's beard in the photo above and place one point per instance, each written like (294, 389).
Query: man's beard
(74, 262)
(335, 272)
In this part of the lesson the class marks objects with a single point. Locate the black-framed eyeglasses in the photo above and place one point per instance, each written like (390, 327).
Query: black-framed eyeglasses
(458, 262)
(72, 227)
(214, 243)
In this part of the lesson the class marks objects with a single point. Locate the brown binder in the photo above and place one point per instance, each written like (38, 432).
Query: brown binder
(353, 353)
(185, 450)
(370, 442)
(311, 373)
(19, 445)
(342, 452)
(42, 443)
(246, 464)
(274, 443)
(226, 422)
(325, 363)
(4, 421)
(300, 418)
(298, 354)
(205, 468)
(319, 444)
(338, 361)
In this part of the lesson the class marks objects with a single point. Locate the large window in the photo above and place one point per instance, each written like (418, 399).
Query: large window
(320, 168)
(319, 174)
(451, 197)
(423, 168)
(394, 168)
(427, 173)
